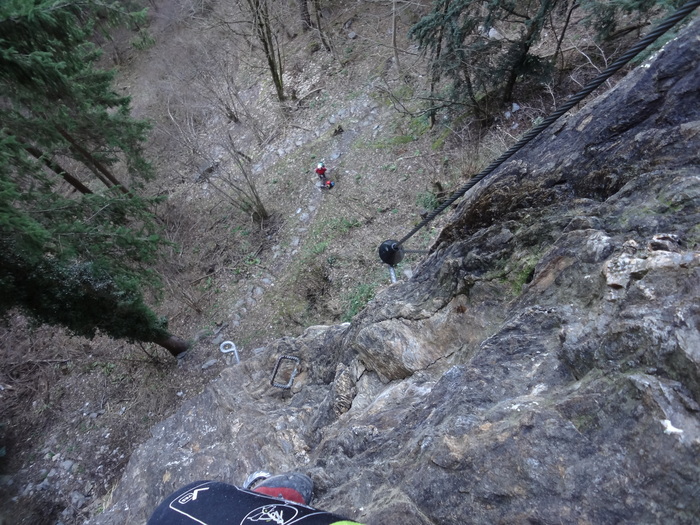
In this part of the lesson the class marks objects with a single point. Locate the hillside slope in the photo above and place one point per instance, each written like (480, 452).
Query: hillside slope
(541, 365)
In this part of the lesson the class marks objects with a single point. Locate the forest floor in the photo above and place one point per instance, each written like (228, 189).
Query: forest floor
(73, 409)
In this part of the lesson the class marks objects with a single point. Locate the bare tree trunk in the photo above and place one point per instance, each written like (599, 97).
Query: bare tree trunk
(321, 34)
(262, 27)
(56, 168)
(435, 74)
(173, 344)
(304, 14)
(393, 38)
(560, 40)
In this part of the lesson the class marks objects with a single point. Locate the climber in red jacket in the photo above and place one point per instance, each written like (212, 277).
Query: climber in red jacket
(276, 499)
(321, 172)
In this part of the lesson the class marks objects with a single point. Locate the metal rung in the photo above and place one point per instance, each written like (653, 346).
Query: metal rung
(296, 360)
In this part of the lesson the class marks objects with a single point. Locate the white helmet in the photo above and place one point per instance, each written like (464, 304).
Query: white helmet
(320, 165)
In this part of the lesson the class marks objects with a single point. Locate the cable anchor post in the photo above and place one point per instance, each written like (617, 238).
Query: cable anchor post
(391, 252)
(229, 346)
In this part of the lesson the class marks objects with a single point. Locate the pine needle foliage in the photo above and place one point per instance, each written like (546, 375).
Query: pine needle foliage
(54, 98)
(75, 248)
(480, 51)
(480, 47)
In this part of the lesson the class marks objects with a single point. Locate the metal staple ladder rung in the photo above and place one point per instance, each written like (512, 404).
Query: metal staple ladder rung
(295, 371)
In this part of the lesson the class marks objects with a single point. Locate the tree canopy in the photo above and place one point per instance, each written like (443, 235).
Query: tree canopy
(483, 50)
(76, 241)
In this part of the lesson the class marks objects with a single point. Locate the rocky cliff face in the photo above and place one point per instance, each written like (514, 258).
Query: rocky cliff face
(542, 365)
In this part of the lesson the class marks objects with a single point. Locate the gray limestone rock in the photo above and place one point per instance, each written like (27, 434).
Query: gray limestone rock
(209, 364)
